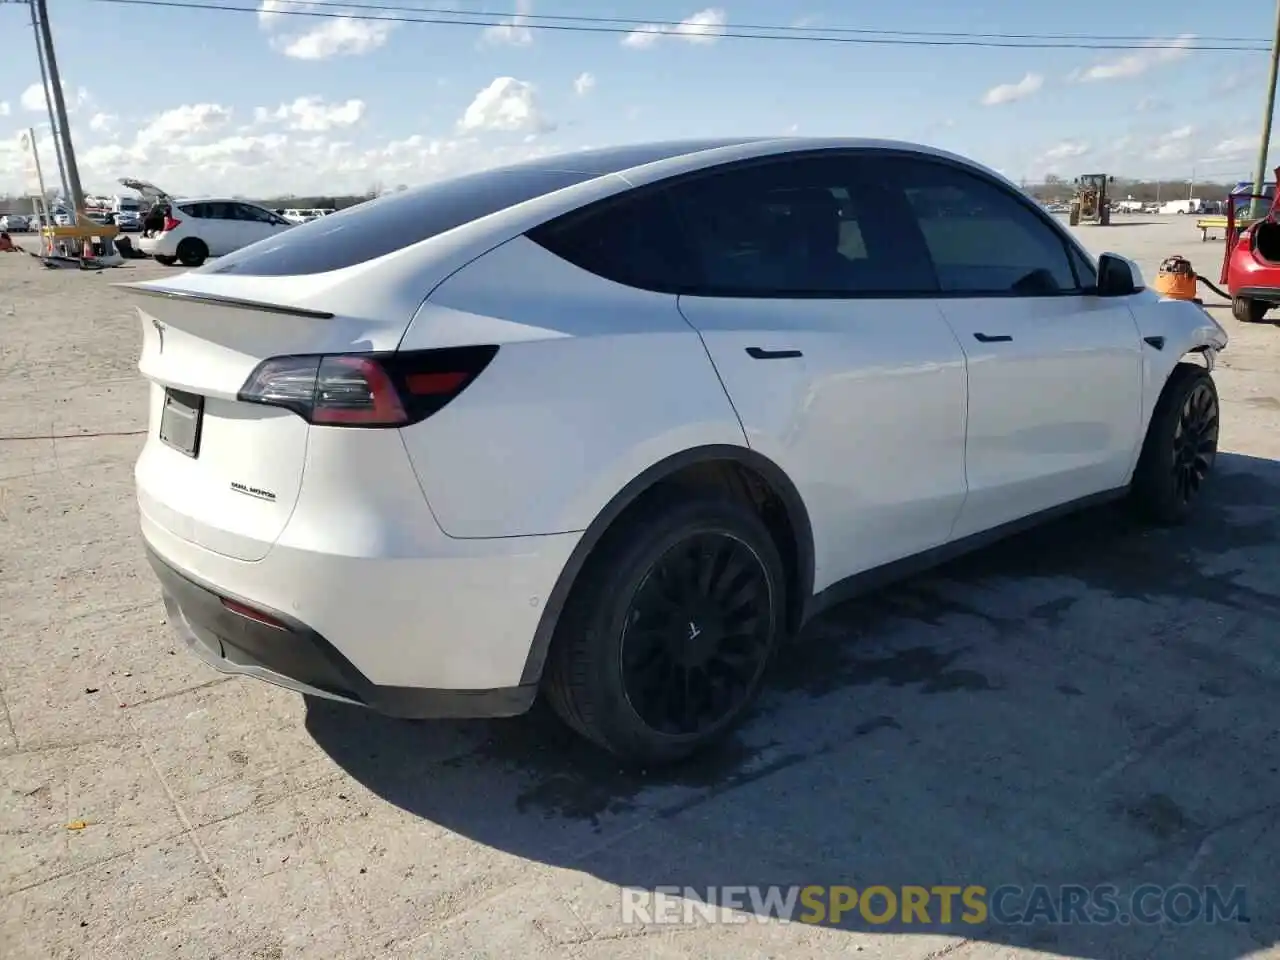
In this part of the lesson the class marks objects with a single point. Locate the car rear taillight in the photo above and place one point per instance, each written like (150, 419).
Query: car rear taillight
(366, 389)
(171, 224)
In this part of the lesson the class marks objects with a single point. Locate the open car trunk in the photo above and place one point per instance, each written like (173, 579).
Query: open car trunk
(156, 207)
(1266, 240)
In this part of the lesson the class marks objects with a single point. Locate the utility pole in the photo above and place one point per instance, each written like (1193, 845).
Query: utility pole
(1260, 172)
(59, 106)
(53, 121)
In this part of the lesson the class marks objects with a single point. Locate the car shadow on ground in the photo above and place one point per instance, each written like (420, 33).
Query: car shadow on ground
(1092, 702)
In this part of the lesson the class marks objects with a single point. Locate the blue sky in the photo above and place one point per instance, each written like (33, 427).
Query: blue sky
(262, 103)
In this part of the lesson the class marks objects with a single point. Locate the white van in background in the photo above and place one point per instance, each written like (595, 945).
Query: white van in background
(125, 204)
(1182, 206)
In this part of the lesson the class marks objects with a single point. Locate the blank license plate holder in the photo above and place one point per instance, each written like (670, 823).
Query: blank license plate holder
(181, 420)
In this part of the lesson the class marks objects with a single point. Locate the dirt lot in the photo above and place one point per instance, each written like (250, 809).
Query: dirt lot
(1091, 703)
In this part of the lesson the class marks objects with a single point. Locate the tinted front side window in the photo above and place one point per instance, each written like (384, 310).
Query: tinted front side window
(246, 211)
(377, 227)
(808, 227)
(981, 238)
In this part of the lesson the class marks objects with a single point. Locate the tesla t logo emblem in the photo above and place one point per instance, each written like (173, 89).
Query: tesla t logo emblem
(694, 632)
(159, 332)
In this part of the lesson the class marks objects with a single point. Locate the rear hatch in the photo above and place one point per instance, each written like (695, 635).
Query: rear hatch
(216, 470)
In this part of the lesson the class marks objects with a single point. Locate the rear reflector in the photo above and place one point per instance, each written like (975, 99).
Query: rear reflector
(249, 613)
(365, 389)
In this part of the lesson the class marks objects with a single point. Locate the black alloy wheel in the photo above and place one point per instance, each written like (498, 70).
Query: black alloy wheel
(1195, 441)
(1180, 449)
(697, 635)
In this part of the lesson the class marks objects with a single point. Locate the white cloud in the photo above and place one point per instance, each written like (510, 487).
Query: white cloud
(312, 114)
(1234, 147)
(1054, 158)
(33, 98)
(506, 104)
(1009, 92)
(102, 122)
(584, 84)
(340, 37)
(705, 26)
(4, 108)
(1066, 150)
(513, 31)
(183, 122)
(1139, 62)
(343, 33)
(1173, 145)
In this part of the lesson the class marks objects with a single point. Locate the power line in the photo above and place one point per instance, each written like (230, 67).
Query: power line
(522, 19)
(603, 25)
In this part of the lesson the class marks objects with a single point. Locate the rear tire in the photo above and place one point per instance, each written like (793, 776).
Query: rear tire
(1249, 311)
(192, 252)
(665, 641)
(165, 261)
(1180, 448)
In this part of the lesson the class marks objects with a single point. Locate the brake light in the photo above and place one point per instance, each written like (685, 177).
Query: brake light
(171, 224)
(363, 389)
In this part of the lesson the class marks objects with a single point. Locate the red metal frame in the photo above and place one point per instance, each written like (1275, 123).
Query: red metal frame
(1233, 232)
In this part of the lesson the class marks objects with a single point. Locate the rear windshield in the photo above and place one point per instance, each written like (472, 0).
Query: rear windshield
(377, 227)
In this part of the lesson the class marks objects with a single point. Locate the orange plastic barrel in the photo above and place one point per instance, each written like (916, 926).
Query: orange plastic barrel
(1176, 279)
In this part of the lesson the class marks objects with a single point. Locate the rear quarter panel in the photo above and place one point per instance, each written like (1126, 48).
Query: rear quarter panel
(593, 383)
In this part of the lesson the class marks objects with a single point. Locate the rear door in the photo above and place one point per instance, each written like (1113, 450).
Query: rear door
(818, 311)
(1055, 372)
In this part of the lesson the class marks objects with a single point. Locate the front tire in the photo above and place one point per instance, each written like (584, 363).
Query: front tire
(665, 641)
(1180, 448)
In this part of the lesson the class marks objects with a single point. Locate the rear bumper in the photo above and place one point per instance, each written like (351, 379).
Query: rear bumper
(160, 245)
(1267, 294)
(294, 656)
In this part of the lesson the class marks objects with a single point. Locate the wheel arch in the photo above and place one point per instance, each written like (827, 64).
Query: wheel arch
(722, 466)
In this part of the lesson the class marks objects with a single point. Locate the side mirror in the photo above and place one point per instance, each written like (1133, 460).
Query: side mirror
(1118, 276)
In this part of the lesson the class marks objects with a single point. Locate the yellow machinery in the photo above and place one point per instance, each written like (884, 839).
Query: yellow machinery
(1091, 203)
(77, 240)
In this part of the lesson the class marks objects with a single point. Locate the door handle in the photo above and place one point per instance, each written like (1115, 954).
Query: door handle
(1157, 342)
(757, 353)
(992, 338)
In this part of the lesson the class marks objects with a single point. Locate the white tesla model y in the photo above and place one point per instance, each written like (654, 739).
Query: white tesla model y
(612, 425)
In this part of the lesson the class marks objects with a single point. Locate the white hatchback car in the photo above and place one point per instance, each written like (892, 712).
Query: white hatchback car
(194, 229)
(614, 424)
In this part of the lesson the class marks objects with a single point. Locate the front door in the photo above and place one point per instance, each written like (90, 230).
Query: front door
(819, 317)
(1055, 401)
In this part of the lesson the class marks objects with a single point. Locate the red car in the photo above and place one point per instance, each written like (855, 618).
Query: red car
(1251, 261)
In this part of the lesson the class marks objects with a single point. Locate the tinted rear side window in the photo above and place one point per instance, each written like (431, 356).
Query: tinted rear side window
(633, 240)
(377, 227)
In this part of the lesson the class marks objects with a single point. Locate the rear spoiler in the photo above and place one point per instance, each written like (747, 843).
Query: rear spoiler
(213, 299)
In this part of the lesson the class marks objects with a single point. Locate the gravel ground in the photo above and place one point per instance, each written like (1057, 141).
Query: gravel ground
(1090, 703)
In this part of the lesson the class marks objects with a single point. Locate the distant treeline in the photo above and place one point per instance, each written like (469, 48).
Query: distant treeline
(312, 203)
(1146, 191)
